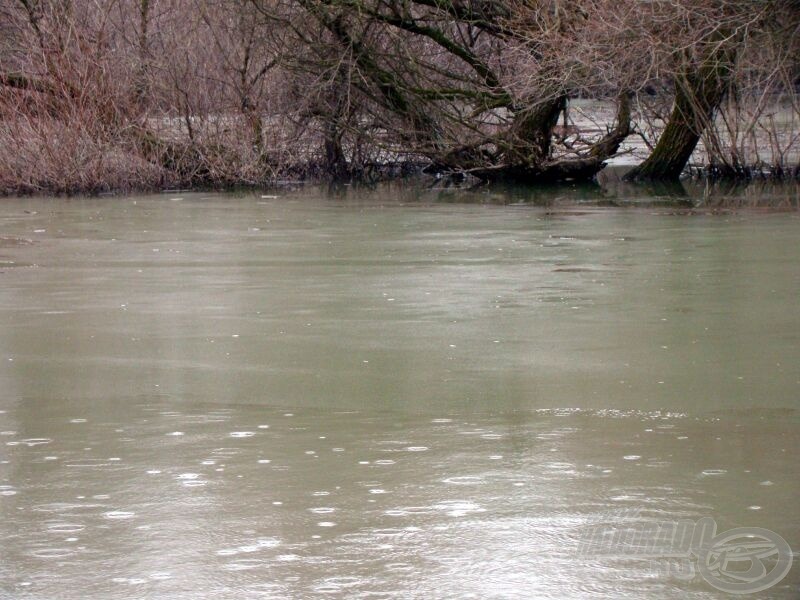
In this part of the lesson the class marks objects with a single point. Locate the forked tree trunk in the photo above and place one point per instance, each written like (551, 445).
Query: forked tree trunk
(569, 168)
(697, 97)
(532, 132)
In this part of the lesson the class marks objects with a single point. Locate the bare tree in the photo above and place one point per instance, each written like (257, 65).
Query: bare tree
(712, 38)
(435, 80)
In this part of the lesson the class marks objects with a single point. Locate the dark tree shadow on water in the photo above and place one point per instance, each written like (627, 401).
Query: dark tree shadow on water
(609, 189)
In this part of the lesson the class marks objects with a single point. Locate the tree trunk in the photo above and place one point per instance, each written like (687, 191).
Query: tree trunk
(141, 83)
(336, 166)
(570, 168)
(697, 96)
(532, 132)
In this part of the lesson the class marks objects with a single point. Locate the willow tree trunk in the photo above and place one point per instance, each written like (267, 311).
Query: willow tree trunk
(336, 164)
(698, 95)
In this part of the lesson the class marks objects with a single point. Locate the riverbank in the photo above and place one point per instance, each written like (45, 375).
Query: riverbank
(608, 189)
(698, 181)
(66, 157)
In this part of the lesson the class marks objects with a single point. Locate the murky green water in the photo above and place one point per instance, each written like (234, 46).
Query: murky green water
(387, 394)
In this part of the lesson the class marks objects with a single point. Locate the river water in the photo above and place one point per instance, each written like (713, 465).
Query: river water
(390, 393)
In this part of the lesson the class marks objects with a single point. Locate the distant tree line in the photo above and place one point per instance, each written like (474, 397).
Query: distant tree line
(114, 94)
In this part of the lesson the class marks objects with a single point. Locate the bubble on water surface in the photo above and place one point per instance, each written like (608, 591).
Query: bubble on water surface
(52, 552)
(459, 508)
(118, 514)
(90, 463)
(560, 466)
(464, 480)
(30, 442)
(244, 564)
(194, 483)
(130, 580)
(226, 452)
(400, 567)
(407, 511)
(59, 527)
(67, 508)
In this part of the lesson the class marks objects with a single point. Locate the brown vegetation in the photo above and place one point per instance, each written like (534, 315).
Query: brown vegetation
(120, 94)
